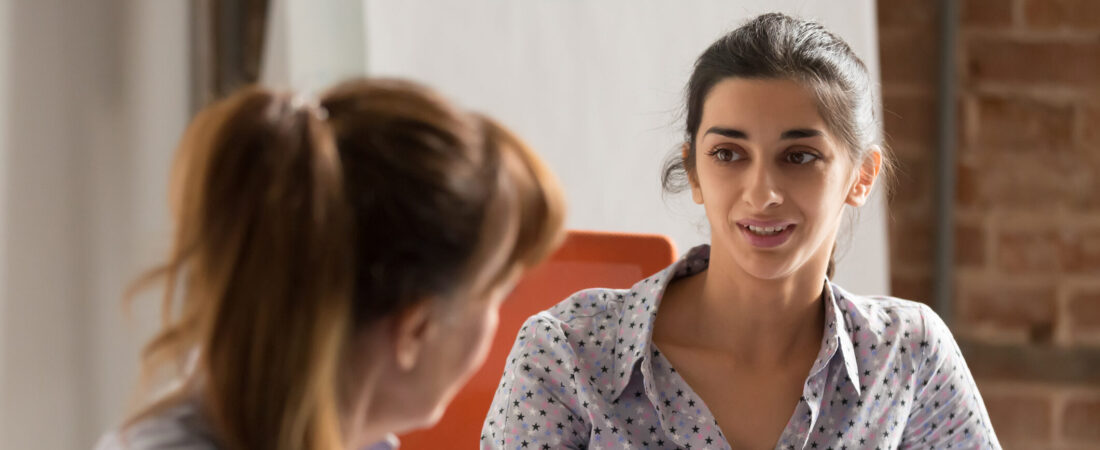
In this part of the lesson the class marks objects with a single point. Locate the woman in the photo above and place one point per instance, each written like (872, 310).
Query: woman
(339, 266)
(744, 343)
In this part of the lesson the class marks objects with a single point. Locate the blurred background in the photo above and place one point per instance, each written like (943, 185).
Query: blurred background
(991, 106)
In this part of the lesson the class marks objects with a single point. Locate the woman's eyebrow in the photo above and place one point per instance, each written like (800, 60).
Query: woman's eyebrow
(799, 133)
(796, 133)
(727, 132)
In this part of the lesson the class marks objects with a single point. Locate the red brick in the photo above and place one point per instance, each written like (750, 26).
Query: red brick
(1081, 420)
(908, 57)
(1021, 123)
(1006, 305)
(1080, 251)
(913, 186)
(918, 212)
(1090, 122)
(986, 13)
(1084, 311)
(911, 243)
(1052, 250)
(912, 287)
(1020, 417)
(1028, 180)
(907, 13)
(1051, 63)
(969, 246)
(1029, 251)
(1062, 14)
(1082, 179)
(911, 119)
(967, 185)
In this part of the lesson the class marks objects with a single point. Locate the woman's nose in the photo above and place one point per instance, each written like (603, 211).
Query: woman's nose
(761, 191)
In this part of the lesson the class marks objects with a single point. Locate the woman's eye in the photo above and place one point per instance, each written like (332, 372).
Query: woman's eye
(724, 154)
(801, 157)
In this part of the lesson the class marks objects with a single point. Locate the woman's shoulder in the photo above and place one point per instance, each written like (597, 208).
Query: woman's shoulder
(178, 427)
(583, 312)
(588, 303)
(881, 307)
(891, 317)
(584, 330)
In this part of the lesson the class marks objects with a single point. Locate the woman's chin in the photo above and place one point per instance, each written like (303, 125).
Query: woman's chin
(766, 267)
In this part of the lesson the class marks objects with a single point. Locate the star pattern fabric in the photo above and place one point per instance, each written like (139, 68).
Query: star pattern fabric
(586, 374)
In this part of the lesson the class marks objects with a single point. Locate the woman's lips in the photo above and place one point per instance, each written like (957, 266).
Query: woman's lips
(764, 222)
(766, 234)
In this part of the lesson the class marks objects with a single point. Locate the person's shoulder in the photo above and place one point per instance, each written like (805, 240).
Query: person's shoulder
(178, 427)
(887, 318)
(883, 311)
(581, 310)
(588, 303)
(568, 325)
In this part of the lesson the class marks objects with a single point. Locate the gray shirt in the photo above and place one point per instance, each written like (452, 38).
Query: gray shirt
(179, 427)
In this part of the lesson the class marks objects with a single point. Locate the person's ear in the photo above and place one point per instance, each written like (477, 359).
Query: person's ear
(693, 181)
(865, 179)
(412, 328)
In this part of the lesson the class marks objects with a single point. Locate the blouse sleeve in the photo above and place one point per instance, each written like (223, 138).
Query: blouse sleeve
(534, 406)
(947, 408)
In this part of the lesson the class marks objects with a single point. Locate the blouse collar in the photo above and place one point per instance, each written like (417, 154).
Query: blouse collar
(639, 314)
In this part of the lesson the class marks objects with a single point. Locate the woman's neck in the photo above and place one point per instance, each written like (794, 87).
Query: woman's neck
(756, 321)
(360, 381)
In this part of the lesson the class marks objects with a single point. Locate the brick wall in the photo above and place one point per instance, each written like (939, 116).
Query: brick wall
(1027, 278)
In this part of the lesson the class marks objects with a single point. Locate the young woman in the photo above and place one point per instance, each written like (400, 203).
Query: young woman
(338, 266)
(745, 343)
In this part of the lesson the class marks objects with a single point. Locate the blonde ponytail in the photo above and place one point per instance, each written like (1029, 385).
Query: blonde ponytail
(263, 253)
(300, 226)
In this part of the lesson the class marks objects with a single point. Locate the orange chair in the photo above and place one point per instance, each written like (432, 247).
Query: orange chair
(586, 259)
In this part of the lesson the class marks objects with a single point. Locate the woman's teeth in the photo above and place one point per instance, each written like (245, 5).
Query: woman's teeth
(766, 231)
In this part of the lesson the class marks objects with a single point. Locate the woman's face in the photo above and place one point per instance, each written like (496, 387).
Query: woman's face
(771, 176)
(439, 350)
(451, 341)
(465, 335)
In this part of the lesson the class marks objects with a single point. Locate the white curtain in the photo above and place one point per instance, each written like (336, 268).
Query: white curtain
(93, 97)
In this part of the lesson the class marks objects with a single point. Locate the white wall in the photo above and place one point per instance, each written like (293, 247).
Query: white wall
(596, 87)
(311, 45)
(93, 96)
(5, 150)
(41, 308)
(129, 229)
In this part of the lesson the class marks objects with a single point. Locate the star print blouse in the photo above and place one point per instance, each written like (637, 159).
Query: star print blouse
(586, 374)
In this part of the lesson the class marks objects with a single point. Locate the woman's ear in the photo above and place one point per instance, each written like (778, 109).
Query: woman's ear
(693, 181)
(412, 328)
(865, 179)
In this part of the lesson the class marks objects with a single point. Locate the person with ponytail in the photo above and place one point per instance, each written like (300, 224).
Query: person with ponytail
(336, 269)
(745, 343)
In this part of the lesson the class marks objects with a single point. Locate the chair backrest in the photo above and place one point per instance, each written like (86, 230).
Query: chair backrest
(586, 259)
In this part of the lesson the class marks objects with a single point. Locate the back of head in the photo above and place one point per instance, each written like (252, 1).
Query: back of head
(301, 224)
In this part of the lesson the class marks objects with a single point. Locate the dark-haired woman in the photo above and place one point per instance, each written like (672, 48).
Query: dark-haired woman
(745, 343)
(337, 267)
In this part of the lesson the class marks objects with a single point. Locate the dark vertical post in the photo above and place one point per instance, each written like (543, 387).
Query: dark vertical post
(944, 265)
(228, 37)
